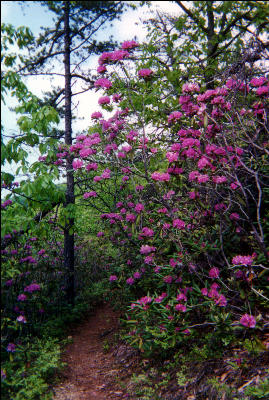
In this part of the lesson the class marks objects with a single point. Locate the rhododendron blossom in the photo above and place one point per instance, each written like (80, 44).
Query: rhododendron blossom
(89, 194)
(202, 178)
(32, 288)
(145, 73)
(96, 115)
(104, 100)
(129, 44)
(234, 217)
(171, 157)
(190, 87)
(22, 297)
(242, 260)
(179, 224)
(214, 272)
(139, 207)
(181, 307)
(147, 232)
(160, 176)
(137, 275)
(174, 116)
(248, 320)
(77, 164)
(103, 83)
(168, 279)
(91, 167)
(130, 217)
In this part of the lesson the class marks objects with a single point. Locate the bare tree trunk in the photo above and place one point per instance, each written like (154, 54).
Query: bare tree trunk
(69, 196)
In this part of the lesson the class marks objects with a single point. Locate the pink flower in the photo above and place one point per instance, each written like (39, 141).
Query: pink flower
(193, 175)
(258, 81)
(180, 307)
(125, 178)
(203, 162)
(22, 297)
(190, 87)
(193, 195)
(174, 116)
(181, 296)
(139, 207)
(86, 152)
(146, 249)
(130, 217)
(92, 166)
(104, 100)
(214, 272)
(103, 83)
(113, 278)
(106, 174)
(248, 320)
(203, 178)
(96, 115)
(262, 90)
(172, 156)
(178, 224)
(168, 279)
(100, 234)
(137, 275)
(11, 347)
(145, 73)
(101, 69)
(118, 55)
(234, 217)
(221, 301)
(204, 291)
(148, 260)
(129, 44)
(242, 260)
(219, 179)
(116, 97)
(145, 300)
(234, 185)
(21, 319)
(130, 281)
(32, 288)
(160, 176)
(89, 194)
(147, 232)
(77, 164)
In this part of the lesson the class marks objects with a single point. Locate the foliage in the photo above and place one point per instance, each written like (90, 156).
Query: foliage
(29, 368)
(171, 219)
(177, 186)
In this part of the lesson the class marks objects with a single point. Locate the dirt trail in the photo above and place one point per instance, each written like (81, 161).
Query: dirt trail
(91, 374)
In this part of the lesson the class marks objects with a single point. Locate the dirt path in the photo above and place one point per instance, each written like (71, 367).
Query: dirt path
(91, 373)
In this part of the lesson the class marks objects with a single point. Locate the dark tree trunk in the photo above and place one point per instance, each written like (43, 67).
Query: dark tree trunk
(211, 47)
(69, 196)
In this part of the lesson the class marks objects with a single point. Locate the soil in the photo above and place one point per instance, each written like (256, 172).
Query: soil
(94, 371)
(99, 366)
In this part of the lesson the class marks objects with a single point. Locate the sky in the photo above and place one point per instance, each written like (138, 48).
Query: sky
(33, 15)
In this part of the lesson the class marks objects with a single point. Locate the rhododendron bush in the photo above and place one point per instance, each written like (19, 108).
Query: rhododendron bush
(187, 178)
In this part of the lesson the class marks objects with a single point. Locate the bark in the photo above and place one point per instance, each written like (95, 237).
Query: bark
(211, 48)
(69, 196)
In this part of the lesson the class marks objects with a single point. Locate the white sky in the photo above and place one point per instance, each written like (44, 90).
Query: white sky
(33, 15)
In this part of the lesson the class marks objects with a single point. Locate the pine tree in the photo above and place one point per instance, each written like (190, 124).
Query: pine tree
(71, 41)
